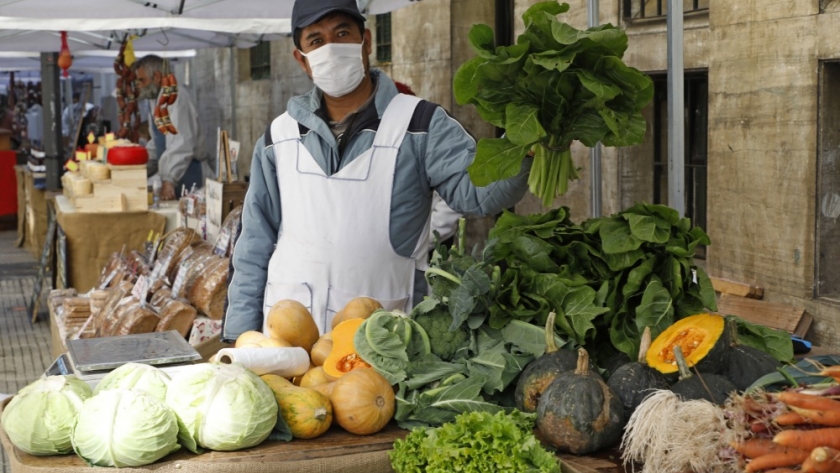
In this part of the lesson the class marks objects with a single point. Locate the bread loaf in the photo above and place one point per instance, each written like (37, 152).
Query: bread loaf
(176, 243)
(160, 297)
(110, 308)
(193, 269)
(209, 290)
(136, 319)
(176, 315)
(76, 307)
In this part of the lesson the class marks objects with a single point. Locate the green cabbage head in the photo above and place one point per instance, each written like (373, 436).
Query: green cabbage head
(221, 407)
(124, 428)
(137, 377)
(39, 419)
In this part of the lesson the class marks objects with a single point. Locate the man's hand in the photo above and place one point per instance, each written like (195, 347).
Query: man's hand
(167, 191)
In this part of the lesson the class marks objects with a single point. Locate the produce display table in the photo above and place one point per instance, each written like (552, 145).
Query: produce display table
(32, 212)
(336, 451)
(93, 237)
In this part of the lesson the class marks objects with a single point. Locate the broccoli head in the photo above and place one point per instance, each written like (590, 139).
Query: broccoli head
(444, 343)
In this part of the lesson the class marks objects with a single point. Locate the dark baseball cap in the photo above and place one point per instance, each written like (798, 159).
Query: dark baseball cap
(307, 12)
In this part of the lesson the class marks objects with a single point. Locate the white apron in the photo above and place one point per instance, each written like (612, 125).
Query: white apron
(334, 243)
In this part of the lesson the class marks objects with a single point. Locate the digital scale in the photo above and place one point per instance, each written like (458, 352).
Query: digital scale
(90, 359)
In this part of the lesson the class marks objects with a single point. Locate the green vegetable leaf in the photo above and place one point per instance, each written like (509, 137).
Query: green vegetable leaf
(528, 338)
(496, 159)
(650, 229)
(775, 342)
(616, 236)
(537, 12)
(483, 40)
(707, 290)
(579, 308)
(466, 86)
(523, 125)
(656, 309)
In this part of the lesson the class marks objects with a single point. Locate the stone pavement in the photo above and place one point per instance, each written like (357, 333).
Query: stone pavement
(24, 346)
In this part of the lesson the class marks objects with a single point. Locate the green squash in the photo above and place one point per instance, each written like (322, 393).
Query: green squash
(578, 413)
(634, 381)
(704, 342)
(746, 364)
(711, 387)
(539, 373)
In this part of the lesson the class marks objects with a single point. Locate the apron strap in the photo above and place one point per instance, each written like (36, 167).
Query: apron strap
(284, 128)
(395, 121)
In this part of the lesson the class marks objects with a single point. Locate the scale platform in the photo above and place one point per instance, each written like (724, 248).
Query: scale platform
(91, 359)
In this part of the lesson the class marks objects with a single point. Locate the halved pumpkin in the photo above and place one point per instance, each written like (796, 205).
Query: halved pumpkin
(702, 339)
(343, 357)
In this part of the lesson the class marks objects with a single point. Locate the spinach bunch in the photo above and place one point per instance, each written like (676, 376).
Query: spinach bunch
(557, 84)
(607, 278)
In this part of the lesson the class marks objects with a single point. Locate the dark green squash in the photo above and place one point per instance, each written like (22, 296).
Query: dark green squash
(578, 412)
(746, 364)
(615, 362)
(634, 381)
(703, 339)
(536, 377)
(708, 386)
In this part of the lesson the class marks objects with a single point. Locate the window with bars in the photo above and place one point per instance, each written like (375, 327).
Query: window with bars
(261, 61)
(696, 89)
(383, 37)
(635, 9)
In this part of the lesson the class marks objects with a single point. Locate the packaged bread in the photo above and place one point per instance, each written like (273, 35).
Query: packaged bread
(209, 291)
(97, 301)
(57, 296)
(110, 307)
(135, 318)
(176, 314)
(160, 297)
(174, 244)
(228, 233)
(76, 307)
(190, 272)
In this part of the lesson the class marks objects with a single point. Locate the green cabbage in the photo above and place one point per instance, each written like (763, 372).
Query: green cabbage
(124, 428)
(137, 377)
(39, 419)
(221, 407)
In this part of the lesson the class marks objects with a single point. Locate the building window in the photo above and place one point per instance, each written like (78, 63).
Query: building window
(696, 149)
(634, 9)
(261, 61)
(383, 38)
(828, 183)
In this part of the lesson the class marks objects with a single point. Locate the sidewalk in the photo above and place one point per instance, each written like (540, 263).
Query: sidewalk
(24, 346)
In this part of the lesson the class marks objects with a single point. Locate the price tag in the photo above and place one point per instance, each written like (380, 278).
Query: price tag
(109, 278)
(190, 206)
(141, 288)
(222, 242)
(180, 279)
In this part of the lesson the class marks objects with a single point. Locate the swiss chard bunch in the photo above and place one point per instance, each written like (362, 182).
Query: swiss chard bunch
(556, 85)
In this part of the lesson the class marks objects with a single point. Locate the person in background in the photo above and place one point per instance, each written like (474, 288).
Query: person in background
(342, 183)
(177, 157)
(70, 116)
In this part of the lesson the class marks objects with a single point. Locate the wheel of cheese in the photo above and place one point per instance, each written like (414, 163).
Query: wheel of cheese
(127, 155)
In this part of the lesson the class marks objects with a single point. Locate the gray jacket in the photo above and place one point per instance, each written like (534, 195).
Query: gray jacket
(433, 157)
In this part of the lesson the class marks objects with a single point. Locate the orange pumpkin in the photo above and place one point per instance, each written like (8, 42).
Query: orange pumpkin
(358, 308)
(343, 357)
(289, 320)
(307, 412)
(363, 401)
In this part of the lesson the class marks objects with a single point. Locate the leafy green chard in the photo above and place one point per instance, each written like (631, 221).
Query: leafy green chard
(556, 85)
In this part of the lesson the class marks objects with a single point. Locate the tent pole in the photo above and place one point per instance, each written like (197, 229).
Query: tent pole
(233, 93)
(51, 98)
(595, 198)
(676, 108)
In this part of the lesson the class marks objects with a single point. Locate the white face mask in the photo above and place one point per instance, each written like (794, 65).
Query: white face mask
(337, 68)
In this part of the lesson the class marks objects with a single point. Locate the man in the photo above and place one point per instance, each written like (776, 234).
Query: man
(71, 114)
(174, 157)
(342, 183)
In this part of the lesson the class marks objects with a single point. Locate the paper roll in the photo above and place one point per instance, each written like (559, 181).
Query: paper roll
(285, 362)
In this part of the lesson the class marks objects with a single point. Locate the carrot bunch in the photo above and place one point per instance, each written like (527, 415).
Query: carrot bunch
(801, 433)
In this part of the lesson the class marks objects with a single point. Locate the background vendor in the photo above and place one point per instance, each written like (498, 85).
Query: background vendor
(176, 158)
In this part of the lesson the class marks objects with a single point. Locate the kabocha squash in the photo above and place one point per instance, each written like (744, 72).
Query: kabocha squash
(707, 386)
(703, 340)
(363, 401)
(307, 412)
(541, 372)
(746, 364)
(251, 337)
(314, 377)
(343, 357)
(578, 412)
(289, 320)
(615, 362)
(634, 381)
(321, 350)
(358, 308)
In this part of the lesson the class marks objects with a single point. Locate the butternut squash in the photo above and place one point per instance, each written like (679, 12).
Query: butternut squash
(307, 412)
(249, 337)
(314, 377)
(321, 350)
(343, 357)
(274, 343)
(289, 320)
(358, 308)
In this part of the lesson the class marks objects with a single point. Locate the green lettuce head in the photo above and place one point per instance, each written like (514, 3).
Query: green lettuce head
(221, 407)
(136, 377)
(123, 428)
(39, 419)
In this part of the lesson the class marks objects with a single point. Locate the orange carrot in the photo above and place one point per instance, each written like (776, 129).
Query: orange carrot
(809, 439)
(791, 457)
(809, 401)
(783, 470)
(808, 466)
(756, 447)
(825, 460)
(758, 427)
(826, 418)
(790, 418)
(832, 372)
